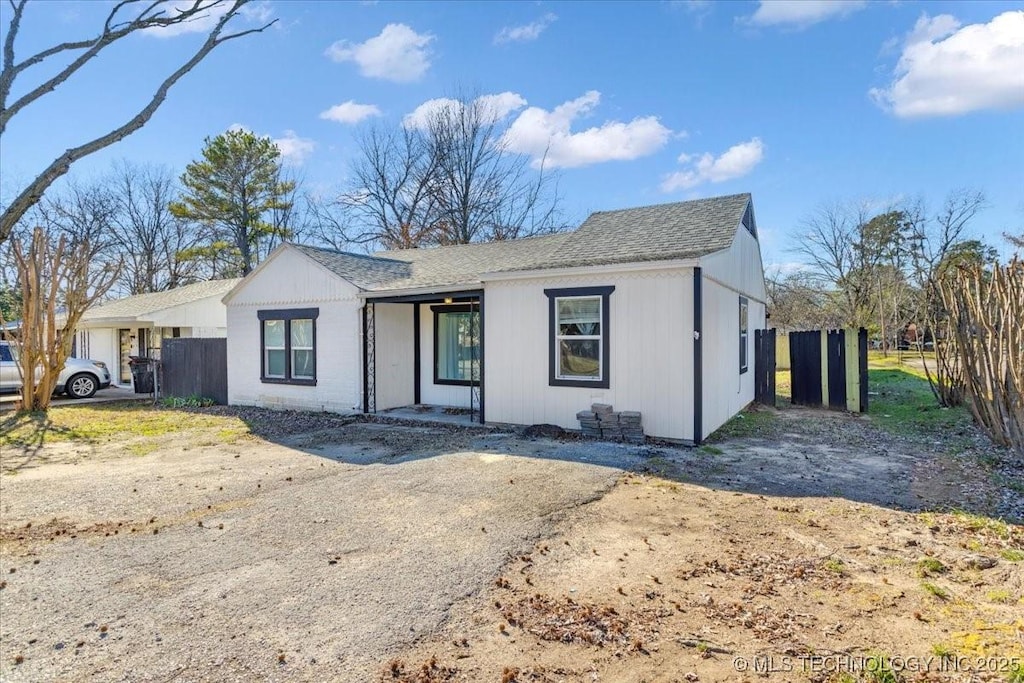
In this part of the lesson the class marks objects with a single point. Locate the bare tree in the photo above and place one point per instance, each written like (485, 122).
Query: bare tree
(84, 213)
(328, 221)
(832, 242)
(934, 237)
(286, 219)
(57, 286)
(448, 179)
(125, 18)
(144, 231)
(934, 243)
(798, 302)
(392, 202)
(482, 191)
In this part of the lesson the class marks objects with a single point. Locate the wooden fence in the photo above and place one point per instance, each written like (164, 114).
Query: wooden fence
(195, 367)
(830, 368)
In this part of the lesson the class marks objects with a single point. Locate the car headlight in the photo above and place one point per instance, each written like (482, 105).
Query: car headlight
(100, 364)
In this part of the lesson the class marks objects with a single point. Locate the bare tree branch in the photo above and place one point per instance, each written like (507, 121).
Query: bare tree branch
(34, 191)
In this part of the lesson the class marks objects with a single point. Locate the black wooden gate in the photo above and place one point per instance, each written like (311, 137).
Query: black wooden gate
(764, 367)
(195, 367)
(805, 367)
(832, 379)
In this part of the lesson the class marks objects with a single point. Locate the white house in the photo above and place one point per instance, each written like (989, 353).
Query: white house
(134, 326)
(650, 309)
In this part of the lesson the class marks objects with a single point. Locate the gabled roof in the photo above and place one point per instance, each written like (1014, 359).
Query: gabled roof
(681, 230)
(662, 232)
(142, 305)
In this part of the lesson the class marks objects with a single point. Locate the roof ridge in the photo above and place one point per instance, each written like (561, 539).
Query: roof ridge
(339, 252)
(685, 201)
(517, 240)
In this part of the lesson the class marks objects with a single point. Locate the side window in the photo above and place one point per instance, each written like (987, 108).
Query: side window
(744, 309)
(288, 346)
(578, 337)
(5, 354)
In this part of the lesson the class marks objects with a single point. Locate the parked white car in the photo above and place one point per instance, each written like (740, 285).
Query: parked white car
(80, 378)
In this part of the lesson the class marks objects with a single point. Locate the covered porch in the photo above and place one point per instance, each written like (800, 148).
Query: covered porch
(423, 352)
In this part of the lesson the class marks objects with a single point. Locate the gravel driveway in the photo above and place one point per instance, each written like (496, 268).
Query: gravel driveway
(254, 560)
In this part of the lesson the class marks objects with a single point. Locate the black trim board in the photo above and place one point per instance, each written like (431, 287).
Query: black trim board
(288, 313)
(440, 297)
(437, 310)
(698, 361)
(605, 294)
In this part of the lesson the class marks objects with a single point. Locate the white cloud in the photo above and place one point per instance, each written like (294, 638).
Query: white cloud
(547, 136)
(736, 162)
(294, 150)
(496, 107)
(802, 13)
(528, 32)
(205, 20)
(257, 12)
(947, 70)
(350, 112)
(398, 54)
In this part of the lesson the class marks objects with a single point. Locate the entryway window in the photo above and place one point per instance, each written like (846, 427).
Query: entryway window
(456, 344)
(579, 341)
(288, 346)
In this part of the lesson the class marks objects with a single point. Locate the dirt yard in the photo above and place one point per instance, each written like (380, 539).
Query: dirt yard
(245, 545)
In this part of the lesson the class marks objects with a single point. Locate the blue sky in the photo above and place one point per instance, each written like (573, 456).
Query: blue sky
(799, 103)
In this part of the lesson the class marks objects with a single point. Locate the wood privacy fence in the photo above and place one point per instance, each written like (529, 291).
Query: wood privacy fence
(195, 367)
(830, 368)
(764, 367)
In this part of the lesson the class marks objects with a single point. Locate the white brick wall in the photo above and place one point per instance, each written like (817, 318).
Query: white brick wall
(293, 281)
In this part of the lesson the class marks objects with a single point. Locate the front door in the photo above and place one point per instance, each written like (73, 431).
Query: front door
(124, 338)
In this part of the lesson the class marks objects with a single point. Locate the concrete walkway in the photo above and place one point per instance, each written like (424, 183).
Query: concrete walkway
(7, 401)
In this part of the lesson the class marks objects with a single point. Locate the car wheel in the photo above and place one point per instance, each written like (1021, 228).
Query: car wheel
(81, 386)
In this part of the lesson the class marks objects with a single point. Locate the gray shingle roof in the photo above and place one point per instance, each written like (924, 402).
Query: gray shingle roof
(652, 233)
(680, 230)
(145, 304)
(455, 265)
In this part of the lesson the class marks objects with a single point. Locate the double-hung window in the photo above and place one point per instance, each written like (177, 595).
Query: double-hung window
(744, 336)
(578, 336)
(288, 345)
(456, 344)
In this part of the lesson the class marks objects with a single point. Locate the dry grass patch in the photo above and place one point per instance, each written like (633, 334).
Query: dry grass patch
(111, 422)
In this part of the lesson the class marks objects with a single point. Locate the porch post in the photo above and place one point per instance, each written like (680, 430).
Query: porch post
(369, 359)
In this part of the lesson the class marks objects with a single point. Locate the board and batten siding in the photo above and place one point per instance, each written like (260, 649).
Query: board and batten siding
(394, 359)
(651, 352)
(728, 275)
(291, 280)
(725, 390)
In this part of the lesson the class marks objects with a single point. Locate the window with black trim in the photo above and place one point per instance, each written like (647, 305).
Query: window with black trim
(456, 344)
(288, 345)
(744, 310)
(578, 335)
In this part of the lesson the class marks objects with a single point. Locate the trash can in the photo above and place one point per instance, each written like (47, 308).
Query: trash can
(142, 374)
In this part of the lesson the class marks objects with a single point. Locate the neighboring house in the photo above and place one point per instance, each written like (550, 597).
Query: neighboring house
(134, 326)
(649, 309)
